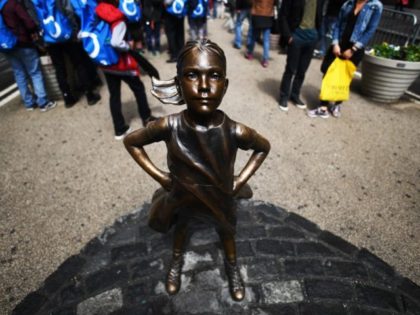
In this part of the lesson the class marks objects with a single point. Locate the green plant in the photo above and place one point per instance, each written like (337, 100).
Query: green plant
(405, 53)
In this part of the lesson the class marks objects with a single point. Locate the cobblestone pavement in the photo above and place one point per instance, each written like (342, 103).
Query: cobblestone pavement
(289, 265)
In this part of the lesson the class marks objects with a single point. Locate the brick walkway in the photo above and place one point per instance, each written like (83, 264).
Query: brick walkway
(289, 265)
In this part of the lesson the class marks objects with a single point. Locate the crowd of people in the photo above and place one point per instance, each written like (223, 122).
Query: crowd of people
(322, 28)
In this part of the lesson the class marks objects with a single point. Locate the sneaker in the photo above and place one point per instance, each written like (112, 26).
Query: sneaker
(148, 120)
(236, 46)
(92, 98)
(30, 108)
(121, 135)
(264, 63)
(249, 56)
(298, 102)
(48, 106)
(283, 105)
(318, 112)
(336, 111)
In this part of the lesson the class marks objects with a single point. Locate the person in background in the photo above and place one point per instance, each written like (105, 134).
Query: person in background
(300, 22)
(262, 13)
(125, 70)
(197, 19)
(174, 27)
(152, 12)
(328, 23)
(400, 4)
(356, 24)
(243, 12)
(24, 57)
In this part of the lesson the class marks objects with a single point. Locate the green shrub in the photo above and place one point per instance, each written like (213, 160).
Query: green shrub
(406, 53)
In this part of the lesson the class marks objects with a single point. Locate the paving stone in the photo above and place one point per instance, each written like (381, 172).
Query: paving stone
(274, 247)
(92, 247)
(310, 249)
(267, 220)
(146, 268)
(192, 259)
(251, 297)
(303, 223)
(196, 302)
(67, 270)
(303, 267)
(104, 303)
(411, 306)
(138, 293)
(321, 309)
(263, 270)
(211, 279)
(101, 260)
(134, 310)
(244, 249)
(278, 309)
(129, 251)
(72, 293)
(338, 243)
(282, 292)
(375, 297)
(285, 232)
(64, 311)
(377, 263)
(357, 310)
(345, 269)
(31, 304)
(204, 237)
(409, 288)
(250, 232)
(106, 278)
(270, 210)
(328, 289)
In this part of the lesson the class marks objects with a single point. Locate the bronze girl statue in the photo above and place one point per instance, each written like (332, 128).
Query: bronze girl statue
(202, 143)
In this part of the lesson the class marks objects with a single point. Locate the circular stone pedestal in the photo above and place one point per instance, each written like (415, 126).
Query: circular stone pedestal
(289, 265)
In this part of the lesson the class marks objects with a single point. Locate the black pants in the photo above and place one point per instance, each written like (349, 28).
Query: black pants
(114, 87)
(174, 29)
(80, 61)
(299, 55)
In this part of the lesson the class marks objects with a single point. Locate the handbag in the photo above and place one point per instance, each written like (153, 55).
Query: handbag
(336, 82)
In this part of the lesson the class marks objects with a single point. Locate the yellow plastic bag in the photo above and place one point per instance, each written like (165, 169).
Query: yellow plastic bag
(336, 83)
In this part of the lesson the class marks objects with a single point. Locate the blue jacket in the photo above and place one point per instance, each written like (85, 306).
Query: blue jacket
(366, 22)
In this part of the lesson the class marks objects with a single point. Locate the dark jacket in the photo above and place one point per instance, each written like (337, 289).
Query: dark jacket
(152, 10)
(243, 4)
(291, 14)
(19, 22)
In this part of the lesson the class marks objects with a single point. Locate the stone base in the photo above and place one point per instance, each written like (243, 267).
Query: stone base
(288, 264)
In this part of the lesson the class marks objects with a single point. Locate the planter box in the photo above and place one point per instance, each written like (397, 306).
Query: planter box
(386, 80)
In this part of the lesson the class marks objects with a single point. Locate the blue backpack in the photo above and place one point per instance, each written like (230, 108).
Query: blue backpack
(95, 33)
(131, 10)
(177, 8)
(200, 10)
(7, 39)
(55, 25)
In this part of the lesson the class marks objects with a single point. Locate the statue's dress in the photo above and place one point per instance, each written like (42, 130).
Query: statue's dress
(201, 163)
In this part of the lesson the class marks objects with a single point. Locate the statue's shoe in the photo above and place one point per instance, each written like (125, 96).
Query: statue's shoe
(173, 279)
(236, 284)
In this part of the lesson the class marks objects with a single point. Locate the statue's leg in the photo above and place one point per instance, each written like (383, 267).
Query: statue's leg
(173, 279)
(236, 284)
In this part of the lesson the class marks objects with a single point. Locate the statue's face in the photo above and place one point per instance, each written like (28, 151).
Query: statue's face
(202, 81)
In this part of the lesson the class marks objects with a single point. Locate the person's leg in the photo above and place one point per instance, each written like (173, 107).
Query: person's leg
(249, 35)
(114, 87)
(173, 278)
(293, 57)
(193, 29)
(21, 79)
(33, 67)
(302, 66)
(179, 37)
(156, 36)
(56, 52)
(137, 87)
(149, 37)
(171, 35)
(251, 43)
(237, 42)
(266, 44)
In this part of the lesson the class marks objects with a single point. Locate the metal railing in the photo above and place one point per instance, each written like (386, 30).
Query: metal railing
(396, 28)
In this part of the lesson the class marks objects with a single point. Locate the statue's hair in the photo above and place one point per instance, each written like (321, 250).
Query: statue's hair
(203, 45)
(168, 91)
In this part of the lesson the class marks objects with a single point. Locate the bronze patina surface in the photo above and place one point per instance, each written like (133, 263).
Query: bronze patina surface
(202, 144)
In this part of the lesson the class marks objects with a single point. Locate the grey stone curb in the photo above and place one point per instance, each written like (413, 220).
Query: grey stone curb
(289, 264)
